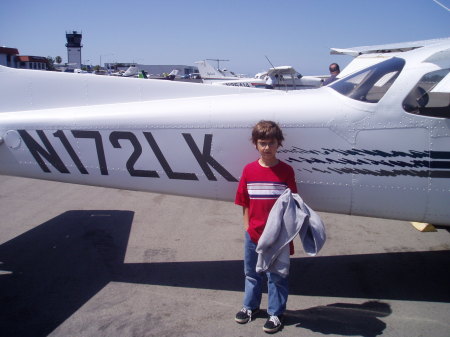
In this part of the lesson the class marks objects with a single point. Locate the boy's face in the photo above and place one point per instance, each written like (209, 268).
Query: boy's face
(267, 148)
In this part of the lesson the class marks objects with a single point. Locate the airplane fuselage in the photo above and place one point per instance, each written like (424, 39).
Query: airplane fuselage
(350, 156)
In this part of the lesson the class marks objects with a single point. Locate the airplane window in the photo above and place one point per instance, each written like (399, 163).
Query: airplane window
(422, 100)
(370, 85)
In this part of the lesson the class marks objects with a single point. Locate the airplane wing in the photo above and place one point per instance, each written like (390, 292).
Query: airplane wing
(341, 51)
(385, 48)
(282, 70)
(367, 56)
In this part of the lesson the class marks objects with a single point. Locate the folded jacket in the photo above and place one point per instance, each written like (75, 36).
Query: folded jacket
(289, 217)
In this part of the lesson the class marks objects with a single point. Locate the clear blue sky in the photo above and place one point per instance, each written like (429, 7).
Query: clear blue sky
(290, 32)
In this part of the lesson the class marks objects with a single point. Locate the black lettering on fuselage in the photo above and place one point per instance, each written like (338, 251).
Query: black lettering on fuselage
(114, 139)
(204, 158)
(98, 144)
(238, 84)
(73, 155)
(162, 160)
(48, 153)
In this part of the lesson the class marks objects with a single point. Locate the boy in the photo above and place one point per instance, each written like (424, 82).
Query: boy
(262, 182)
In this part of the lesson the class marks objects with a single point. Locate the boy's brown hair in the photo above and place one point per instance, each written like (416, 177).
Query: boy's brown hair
(267, 130)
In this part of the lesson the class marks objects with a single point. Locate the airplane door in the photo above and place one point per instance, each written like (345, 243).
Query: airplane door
(390, 175)
(438, 208)
(404, 167)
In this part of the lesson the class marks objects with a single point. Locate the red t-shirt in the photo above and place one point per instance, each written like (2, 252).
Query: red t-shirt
(258, 190)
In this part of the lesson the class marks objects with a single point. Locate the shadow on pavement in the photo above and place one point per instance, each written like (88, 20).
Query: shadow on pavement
(412, 276)
(342, 318)
(407, 276)
(55, 268)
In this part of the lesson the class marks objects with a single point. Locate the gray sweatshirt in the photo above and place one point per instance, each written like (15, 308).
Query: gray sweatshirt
(289, 216)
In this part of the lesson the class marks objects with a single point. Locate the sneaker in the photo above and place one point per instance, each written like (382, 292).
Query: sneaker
(245, 315)
(273, 324)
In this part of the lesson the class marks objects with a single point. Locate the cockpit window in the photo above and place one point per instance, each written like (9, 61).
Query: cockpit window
(370, 84)
(423, 100)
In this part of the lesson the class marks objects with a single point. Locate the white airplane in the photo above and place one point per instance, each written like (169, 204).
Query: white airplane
(286, 78)
(211, 75)
(132, 71)
(171, 76)
(374, 143)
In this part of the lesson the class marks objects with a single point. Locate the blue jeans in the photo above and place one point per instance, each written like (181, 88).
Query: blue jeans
(278, 287)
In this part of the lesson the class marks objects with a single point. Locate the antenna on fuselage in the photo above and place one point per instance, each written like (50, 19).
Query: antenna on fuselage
(269, 61)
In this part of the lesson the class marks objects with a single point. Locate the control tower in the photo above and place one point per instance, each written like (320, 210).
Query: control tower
(74, 48)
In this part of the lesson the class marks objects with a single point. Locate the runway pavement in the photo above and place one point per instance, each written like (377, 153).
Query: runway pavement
(88, 261)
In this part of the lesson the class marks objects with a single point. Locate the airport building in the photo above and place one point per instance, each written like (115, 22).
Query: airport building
(10, 57)
(74, 48)
(32, 62)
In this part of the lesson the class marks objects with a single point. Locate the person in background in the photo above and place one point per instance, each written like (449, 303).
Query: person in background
(271, 81)
(334, 71)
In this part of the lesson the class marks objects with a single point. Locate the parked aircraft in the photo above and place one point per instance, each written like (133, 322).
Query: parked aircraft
(284, 77)
(374, 143)
(211, 75)
(171, 76)
(132, 71)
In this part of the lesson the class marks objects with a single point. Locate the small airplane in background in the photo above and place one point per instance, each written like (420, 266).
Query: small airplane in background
(171, 76)
(284, 78)
(375, 143)
(132, 71)
(210, 75)
(287, 78)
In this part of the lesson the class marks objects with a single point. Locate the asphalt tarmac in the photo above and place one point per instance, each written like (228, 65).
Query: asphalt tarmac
(88, 261)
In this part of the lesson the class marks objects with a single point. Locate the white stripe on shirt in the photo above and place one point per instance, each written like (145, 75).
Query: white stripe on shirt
(265, 190)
